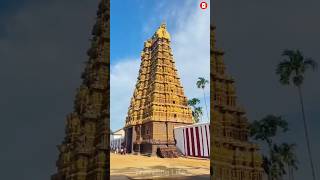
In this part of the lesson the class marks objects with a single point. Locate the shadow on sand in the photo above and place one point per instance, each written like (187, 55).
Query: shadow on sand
(198, 177)
(158, 172)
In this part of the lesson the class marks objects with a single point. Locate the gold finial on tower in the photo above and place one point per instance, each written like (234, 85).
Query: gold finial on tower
(163, 25)
(162, 32)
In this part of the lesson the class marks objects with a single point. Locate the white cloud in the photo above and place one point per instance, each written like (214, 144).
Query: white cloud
(191, 48)
(123, 77)
(190, 33)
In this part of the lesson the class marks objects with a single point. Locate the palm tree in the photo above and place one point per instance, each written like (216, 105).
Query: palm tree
(273, 164)
(196, 111)
(265, 130)
(278, 162)
(292, 70)
(288, 156)
(193, 102)
(201, 83)
(198, 114)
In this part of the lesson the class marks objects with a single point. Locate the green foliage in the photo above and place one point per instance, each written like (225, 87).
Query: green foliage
(279, 156)
(282, 158)
(293, 67)
(287, 154)
(196, 111)
(197, 114)
(193, 102)
(267, 128)
(292, 70)
(201, 83)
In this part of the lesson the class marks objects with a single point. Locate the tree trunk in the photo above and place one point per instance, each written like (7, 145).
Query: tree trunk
(205, 102)
(269, 142)
(306, 133)
(291, 173)
(288, 172)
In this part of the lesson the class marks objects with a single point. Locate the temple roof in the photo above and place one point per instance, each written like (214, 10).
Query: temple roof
(162, 32)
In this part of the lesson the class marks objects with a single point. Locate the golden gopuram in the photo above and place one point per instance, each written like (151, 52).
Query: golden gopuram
(233, 157)
(158, 103)
(84, 152)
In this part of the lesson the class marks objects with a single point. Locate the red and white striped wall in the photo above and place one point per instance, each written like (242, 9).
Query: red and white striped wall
(193, 140)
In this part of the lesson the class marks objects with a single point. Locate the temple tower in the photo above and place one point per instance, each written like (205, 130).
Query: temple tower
(158, 103)
(233, 156)
(83, 155)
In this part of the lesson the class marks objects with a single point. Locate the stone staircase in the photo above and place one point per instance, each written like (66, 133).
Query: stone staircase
(168, 152)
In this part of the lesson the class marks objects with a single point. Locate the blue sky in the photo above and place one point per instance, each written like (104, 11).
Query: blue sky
(133, 22)
(43, 46)
(6, 5)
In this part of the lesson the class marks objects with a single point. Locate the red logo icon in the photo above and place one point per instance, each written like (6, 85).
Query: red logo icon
(203, 5)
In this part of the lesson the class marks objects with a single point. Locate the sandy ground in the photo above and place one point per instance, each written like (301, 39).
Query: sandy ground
(143, 167)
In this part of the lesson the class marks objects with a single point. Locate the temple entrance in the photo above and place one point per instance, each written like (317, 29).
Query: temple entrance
(129, 140)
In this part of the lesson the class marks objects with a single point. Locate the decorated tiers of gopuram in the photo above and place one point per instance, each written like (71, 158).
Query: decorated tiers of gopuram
(83, 155)
(233, 156)
(158, 103)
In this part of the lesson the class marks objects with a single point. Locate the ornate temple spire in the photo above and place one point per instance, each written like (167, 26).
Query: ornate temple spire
(162, 32)
(84, 151)
(158, 103)
(233, 156)
(158, 83)
(163, 24)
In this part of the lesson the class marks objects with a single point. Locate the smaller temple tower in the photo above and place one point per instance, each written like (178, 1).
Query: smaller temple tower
(233, 156)
(84, 152)
(158, 103)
